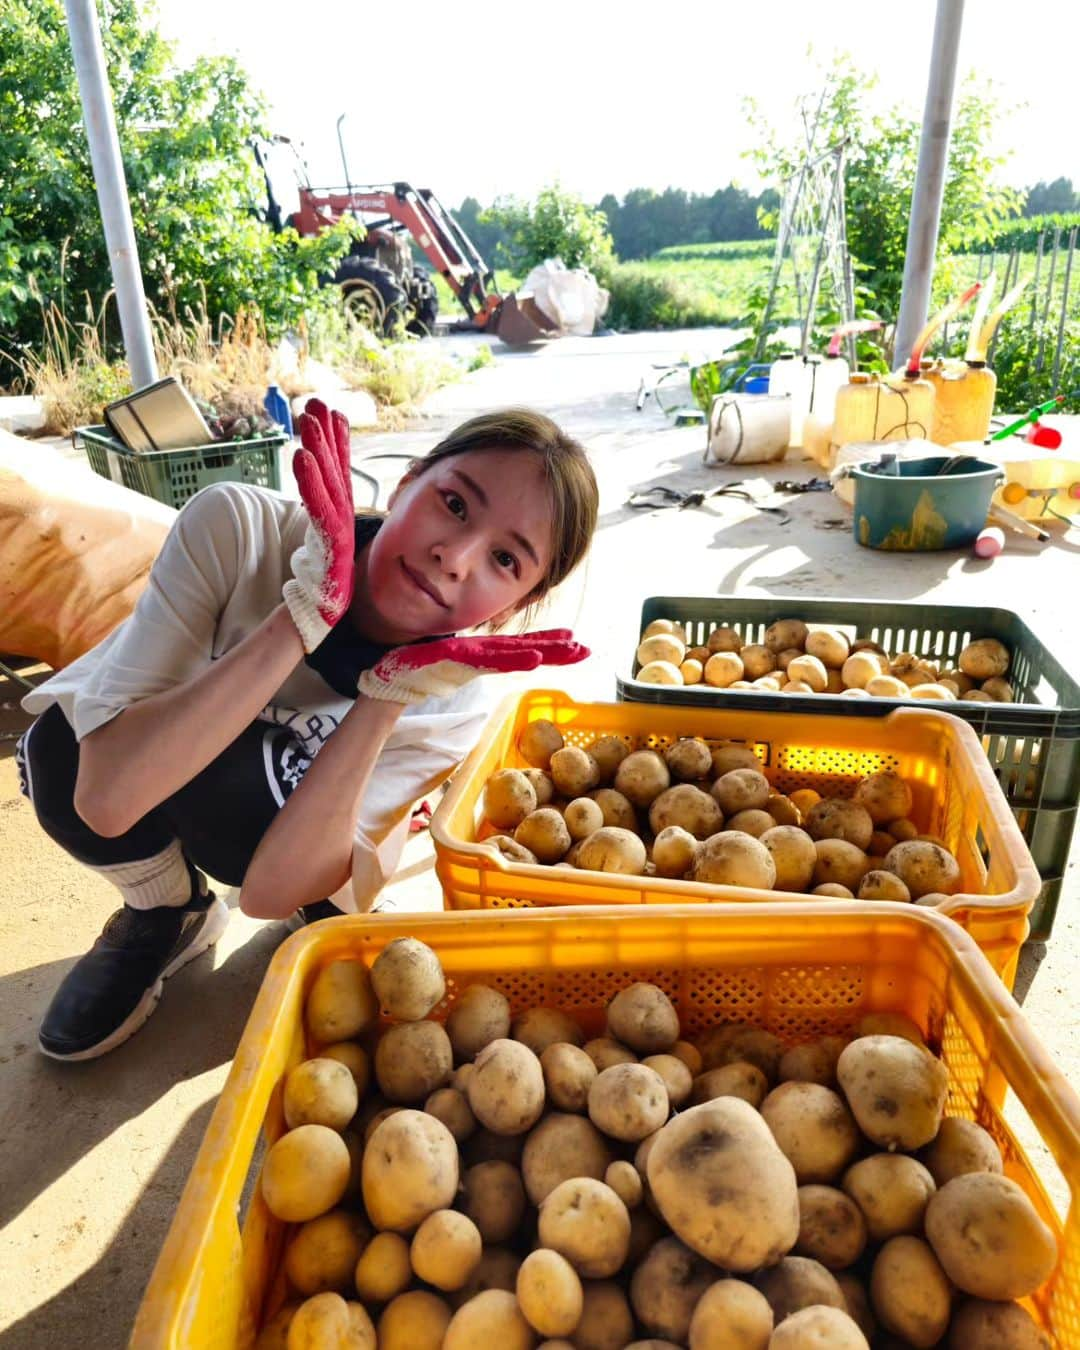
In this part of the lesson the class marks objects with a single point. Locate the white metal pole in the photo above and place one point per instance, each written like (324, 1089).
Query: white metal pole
(111, 187)
(929, 179)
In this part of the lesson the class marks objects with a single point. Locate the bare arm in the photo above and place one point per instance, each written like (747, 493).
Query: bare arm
(306, 854)
(155, 746)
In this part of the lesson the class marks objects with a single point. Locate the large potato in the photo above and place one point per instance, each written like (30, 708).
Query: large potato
(322, 1253)
(661, 647)
(508, 798)
(809, 670)
(724, 639)
(818, 1328)
(410, 1169)
(494, 1198)
(689, 759)
(734, 860)
(989, 1237)
(560, 1147)
(722, 669)
(445, 1249)
(585, 1221)
(981, 1325)
(540, 1027)
(320, 1092)
(666, 1287)
(910, 1293)
(885, 796)
(892, 1192)
(479, 1016)
(839, 863)
(924, 867)
(896, 1090)
(959, 1147)
(543, 832)
(794, 856)
(741, 790)
(549, 1293)
(984, 658)
(832, 1229)
(687, 807)
(539, 741)
(641, 777)
(341, 1003)
(785, 633)
(414, 1321)
(609, 752)
(574, 771)
(407, 979)
(723, 1185)
(412, 1059)
(617, 810)
(306, 1172)
(731, 1315)
(814, 1129)
(506, 1087)
(627, 1102)
(568, 1075)
(326, 1319)
(644, 1018)
(491, 1318)
(611, 849)
(797, 1282)
(839, 818)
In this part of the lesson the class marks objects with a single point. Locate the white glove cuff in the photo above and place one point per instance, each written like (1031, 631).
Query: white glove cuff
(310, 624)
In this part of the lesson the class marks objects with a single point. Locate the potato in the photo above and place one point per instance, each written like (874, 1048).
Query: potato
(574, 771)
(583, 817)
(959, 1147)
(886, 686)
(498, 1269)
(661, 647)
(510, 849)
(611, 849)
(1001, 691)
(723, 669)
(989, 1237)
(785, 633)
(642, 1017)
(689, 808)
(383, 1270)
(305, 1173)
(605, 1051)
(666, 1286)
(549, 1293)
(660, 672)
(892, 1191)
(932, 693)
(275, 1333)
(812, 1063)
(731, 1315)
(730, 755)
(491, 1318)
(641, 777)
(453, 1109)
(859, 669)
(539, 741)
(341, 1003)
(673, 852)
(322, 1253)
(724, 639)
(414, 1321)
(628, 1101)
(320, 1092)
(723, 1185)
(407, 979)
(608, 752)
(412, 1059)
(741, 790)
(508, 798)
(830, 646)
(479, 1016)
(506, 1088)
(754, 823)
(540, 1027)
(586, 1222)
(814, 1129)
(980, 1325)
(793, 854)
(541, 784)
(818, 1328)
(410, 1169)
(734, 860)
(910, 1292)
(880, 885)
(757, 661)
(785, 658)
(617, 809)
(327, 1320)
(625, 1180)
(832, 1229)
(606, 1320)
(740, 1079)
(494, 1199)
(833, 890)
(783, 810)
(560, 1147)
(729, 1044)
(688, 759)
(675, 1075)
(797, 1282)
(568, 1074)
(803, 799)
(543, 832)
(445, 1249)
(690, 1056)
(374, 1121)
(692, 672)
(976, 696)
(356, 1060)
(884, 796)
(984, 658)
(896, 1090)
(840, 862)
(889, 1024)
(665, 626)
(809, 670)
(902, 830)
(839, 818)
(923, 867)
(858, 1302)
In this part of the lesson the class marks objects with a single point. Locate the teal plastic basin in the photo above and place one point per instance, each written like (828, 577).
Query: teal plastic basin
(912, 506)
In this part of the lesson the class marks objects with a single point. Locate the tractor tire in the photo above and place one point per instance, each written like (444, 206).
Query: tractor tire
(425, 303)
(372, 295)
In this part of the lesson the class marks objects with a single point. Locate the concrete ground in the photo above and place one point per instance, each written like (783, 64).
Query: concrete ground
(93, 1157)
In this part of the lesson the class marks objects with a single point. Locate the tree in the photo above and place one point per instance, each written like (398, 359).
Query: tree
(193, 184)
(558, 224)
(1045, 199)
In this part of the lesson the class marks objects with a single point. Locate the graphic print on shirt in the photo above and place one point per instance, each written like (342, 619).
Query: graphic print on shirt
(285, 762)
(311, 729)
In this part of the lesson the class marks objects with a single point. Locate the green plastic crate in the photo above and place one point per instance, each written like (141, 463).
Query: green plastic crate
(1033, 744)
(172, 476)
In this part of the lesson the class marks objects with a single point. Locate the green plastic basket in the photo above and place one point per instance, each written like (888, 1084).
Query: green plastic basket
(172, 476)
(1033, 745)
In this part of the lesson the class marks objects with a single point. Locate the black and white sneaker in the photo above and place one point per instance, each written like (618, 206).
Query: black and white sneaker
(110, 992)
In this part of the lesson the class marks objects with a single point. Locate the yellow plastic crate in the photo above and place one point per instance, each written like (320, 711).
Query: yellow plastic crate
(801, 974)
(956, 797)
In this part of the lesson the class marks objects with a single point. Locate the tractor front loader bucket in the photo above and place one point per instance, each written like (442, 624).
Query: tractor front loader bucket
(521, 321)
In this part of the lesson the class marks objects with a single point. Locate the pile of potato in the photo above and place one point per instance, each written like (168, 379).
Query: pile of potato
(701, 813)
(506, 1182)
(795, 659)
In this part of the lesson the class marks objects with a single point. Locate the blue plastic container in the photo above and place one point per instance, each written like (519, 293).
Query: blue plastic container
(277, 408)
(912, 506)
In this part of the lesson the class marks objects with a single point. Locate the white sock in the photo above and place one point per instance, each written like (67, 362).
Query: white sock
(163, 879)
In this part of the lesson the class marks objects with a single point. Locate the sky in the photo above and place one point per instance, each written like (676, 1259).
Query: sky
(484, 98)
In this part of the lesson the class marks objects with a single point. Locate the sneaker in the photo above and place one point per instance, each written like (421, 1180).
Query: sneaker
(313, 913)
(113, 989)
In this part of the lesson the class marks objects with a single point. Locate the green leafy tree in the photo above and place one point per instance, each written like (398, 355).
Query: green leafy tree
(194, 188)
(558, 224)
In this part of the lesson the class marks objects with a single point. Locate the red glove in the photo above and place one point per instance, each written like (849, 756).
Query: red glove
(319, 591)
(436, 669)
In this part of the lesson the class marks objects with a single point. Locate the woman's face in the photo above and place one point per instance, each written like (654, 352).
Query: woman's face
(464, 542)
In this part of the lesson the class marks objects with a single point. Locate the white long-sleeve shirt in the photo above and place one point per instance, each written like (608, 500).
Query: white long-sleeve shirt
(217, 577)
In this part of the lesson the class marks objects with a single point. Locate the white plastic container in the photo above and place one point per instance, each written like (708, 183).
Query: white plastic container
(795, 376)
(749, 428)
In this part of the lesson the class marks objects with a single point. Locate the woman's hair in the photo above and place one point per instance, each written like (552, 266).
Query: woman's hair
(569, 475)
